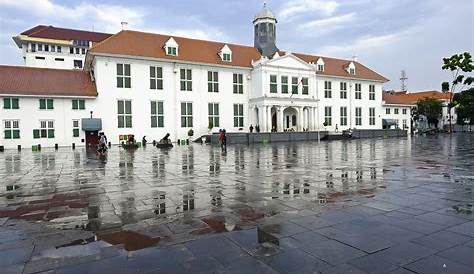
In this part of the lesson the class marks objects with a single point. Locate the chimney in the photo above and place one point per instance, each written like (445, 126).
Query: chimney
(124, 25)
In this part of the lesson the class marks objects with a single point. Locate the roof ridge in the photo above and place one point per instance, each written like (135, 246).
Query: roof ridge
(42, 69)
(182, 37)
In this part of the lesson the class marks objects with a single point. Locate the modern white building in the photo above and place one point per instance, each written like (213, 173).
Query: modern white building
(52, 47)
(149, 84)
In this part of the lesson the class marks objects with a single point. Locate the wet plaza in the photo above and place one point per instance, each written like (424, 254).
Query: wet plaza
(398, 205)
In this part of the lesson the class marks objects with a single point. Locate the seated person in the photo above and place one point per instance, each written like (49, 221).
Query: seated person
(166, 140)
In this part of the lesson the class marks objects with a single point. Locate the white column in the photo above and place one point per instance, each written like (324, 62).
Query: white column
(269, 118)
(280, 123)
(262, 110)
(300, 119)
(310, 118)
(315, 118)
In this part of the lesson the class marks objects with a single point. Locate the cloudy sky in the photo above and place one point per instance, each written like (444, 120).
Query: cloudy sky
(386, 35)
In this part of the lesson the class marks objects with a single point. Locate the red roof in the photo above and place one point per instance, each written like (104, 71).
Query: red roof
(51, 32)
(135, 43)
(410, 98)
(19, 80)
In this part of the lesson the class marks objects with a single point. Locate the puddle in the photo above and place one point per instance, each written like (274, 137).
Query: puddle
(131, 240)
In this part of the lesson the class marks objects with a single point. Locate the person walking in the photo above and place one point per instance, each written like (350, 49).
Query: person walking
(251, 128)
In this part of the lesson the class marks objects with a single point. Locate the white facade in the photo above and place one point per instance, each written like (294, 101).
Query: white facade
(49, 53)
(399, 113)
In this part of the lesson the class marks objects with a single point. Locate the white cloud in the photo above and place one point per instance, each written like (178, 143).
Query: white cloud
(295, 8)
(331, 22)
(104, 17)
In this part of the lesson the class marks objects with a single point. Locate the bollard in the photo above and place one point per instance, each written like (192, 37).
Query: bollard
(2, 148)
(19, 147)
(73, 146)
(39, 147)
(179, 142)
(56, 146)
(187, 141)
(110, 144)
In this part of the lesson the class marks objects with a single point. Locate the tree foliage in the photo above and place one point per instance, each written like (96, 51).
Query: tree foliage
(431, 108)
(459, 64)
(464, 102)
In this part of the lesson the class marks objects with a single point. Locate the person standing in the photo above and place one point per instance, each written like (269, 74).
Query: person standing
(251, 128)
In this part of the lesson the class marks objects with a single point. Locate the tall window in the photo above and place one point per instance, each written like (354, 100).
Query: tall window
(343, 88)
(186, 79)
(284, 84)
(304, 83)
(11, 103)
(387, 111)
(12, 129)
(123, 76)
(156, 77)
(371, 92)
(404, 111)
(186, 114)
(46, 130)
(212, 81)
(294, 85)
(238, 115)
(327, 89)
(358, 91)
(238, 83)
(124, 111)
(78, 104)
(395, 111)
(328, 116)
(273, 84)
(404, 124)
(46, 104)
(343, 116)
(358, 116)
(372, 116)
(75, 128)
(157, 114)
(213, 112)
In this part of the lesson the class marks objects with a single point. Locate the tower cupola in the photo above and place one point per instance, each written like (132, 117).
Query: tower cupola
(265, 32)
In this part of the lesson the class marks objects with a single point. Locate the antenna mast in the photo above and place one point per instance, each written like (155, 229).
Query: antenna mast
(403, 79)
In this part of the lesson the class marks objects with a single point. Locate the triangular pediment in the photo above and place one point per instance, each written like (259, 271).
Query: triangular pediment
(288, 61)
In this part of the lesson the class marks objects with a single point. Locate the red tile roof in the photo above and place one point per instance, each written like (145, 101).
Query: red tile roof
(134, 43)
(51, 32)
(19, 80)
(410, 98)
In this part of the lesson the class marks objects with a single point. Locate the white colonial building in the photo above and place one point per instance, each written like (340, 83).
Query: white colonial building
(149, 84)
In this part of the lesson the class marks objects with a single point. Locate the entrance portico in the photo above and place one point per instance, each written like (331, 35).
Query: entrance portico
(284, 115)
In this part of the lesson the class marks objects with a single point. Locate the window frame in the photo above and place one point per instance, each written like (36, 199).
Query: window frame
(13, 103)
(238, 83)
(123, 116)
(343, 116)
(371, 116)
(124, 75)
(358, 116)
(238, 115)
(294, 85)
(304, 85)
(75, 129)
(186, 79)
(371, 92)
(328, 115)
(212, 81)
(284, 84)
(156, 77)
(327, 89)
(343, 90)
(358, 91)
(187, 114)
(273, 83)
(12, 131)
(157, 114)
(78, 104)
(212, 108)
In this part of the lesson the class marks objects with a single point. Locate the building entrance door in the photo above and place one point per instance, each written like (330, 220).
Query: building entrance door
(92, 139)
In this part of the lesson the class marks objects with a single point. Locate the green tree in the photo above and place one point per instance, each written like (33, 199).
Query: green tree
(458, 64)
(464, 102)
(431, 108)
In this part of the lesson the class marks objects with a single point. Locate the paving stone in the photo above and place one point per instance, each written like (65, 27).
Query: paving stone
(465, 229)
(442, 240)
(292, 260)
(15, 256)
(284, 229)
(332, 251)
(404, 253)
(372, 264)
(440, 219)
(434, 264)
(248, 265)
(312, 222)
(460, 254)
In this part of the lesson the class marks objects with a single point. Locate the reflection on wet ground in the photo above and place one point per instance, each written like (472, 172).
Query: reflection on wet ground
(274, 193)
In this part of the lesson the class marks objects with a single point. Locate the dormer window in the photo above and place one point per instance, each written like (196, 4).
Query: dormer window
(171, 47)
(171, 51)
(226, 54)
(320, 64)
(351, 69)
(226, 57)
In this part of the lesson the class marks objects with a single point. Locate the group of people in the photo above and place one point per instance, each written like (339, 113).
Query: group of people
(257, 128)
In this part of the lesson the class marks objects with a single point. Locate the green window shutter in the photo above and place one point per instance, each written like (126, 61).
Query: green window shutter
(50, 133)
(75, 132)
(36, 133)
(15, 103)
(16, 134)
(42, 103)
(50, 103)
(7, 103)
(82, 104)
(74, 104)
(8, 134)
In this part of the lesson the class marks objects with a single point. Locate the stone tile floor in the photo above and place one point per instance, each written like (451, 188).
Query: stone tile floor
(359, 206)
